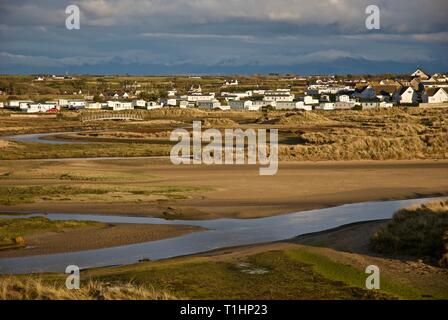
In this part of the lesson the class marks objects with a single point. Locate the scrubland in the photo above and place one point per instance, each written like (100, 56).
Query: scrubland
(420, 231)
(392, 134)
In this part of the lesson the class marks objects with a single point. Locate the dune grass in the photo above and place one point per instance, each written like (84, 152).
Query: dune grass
(392, 134)
(32, 288)
(420, 231)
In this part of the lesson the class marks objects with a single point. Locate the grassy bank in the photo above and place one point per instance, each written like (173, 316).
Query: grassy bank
(268, 275)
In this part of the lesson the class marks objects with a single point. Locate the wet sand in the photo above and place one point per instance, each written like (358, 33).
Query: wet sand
(240, 192)
(107, 235)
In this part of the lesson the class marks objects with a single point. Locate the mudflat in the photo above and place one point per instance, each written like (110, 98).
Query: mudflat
(222, 191)
(96, 237)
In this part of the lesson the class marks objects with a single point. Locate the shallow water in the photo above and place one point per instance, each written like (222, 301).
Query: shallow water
(40, 138)
(222, 233)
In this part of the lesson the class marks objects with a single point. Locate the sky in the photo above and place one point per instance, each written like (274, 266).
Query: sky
(151, 37)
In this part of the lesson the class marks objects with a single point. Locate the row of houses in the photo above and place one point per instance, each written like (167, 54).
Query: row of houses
(327, 94)
(278, 101)
(403, 95)
(323, 94)
(29, 106)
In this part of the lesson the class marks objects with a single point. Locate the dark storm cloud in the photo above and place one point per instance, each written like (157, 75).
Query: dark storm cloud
(210, 33)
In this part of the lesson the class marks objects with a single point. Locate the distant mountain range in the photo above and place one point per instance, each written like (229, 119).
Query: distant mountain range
(340, 66)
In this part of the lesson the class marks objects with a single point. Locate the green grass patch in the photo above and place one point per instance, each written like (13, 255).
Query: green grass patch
(352, 276)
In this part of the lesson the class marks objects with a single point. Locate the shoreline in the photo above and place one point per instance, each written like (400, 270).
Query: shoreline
(118, 214)
(91, 238)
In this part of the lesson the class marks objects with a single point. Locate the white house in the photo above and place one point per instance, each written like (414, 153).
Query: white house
(343, 98)
(63, 103)
(258, 104)
(38, 107)
(151, 105)
(18, 103)
(309, 100)
(210, 104)
(435, 95)
(368, 93)
(370, 105)
(420, 74)
(170, 102)
(76, 104)
(231, 83)
(246, 105)
(93, 105)
(405, 96)
(119, 106)
(183, 104)
(375, 104)
(139, 103)
(2, 105)
(279, 95)
(240, 104)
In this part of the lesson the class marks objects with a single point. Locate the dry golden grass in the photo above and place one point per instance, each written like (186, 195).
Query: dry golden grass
(4, 144)
(385, 134)
(15, 288)
(219, 122)
(304, 118)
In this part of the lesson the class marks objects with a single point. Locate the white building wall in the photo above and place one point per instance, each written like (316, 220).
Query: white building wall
(151, 105)
(119, 106)
(94, 105)
(309, 100)
(439, 97)
(409, 96)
